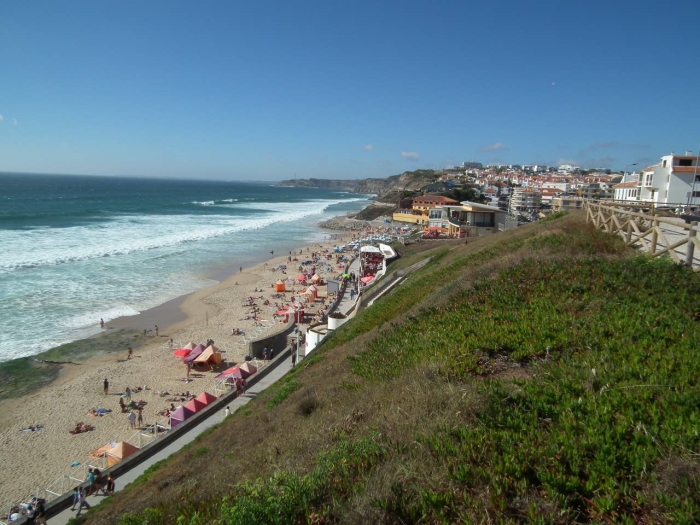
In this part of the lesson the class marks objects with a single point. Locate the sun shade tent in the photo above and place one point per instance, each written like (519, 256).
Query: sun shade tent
(120, 451)
(194, 354)
(180, 415)
(206, 398)
(279, 286)
(234, 371)
(301, 278)
(211, 355)
(248, 367)
(182, 352)
(195, 405)
(102, 451)
(189, 346)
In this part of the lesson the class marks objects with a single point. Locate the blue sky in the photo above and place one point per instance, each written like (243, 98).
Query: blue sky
(266, 90)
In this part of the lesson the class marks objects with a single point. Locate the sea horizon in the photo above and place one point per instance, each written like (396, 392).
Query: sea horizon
(81, 248)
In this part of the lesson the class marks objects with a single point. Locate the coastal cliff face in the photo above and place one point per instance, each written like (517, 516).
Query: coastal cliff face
(408, 181)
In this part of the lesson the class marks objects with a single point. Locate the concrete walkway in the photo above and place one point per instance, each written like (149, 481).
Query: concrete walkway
(281, 369)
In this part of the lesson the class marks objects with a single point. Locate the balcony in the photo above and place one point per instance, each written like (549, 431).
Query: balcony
(457, 222)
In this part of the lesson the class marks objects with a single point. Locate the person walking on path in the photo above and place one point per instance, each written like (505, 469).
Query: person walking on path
(132, 419)
(76, 498)
(106, 385)
(228, 412)
(40, 513)
(294, 358)
(82, 501)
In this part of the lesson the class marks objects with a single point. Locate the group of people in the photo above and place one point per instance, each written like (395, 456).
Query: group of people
(96, 483)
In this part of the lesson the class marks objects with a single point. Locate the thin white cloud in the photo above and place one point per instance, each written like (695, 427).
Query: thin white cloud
(14, 121)
(410, 155)
(494, 147)
(368, 147)
(2, 118)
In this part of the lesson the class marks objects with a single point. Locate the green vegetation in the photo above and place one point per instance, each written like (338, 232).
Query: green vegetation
(547, 375)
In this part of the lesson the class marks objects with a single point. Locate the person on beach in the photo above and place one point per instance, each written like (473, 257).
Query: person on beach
(240, 269)
(106, 386)
(139, 420)
(102, 323)
(122, 405)
(156, 330)
(128, 394)
(130, 352)
(132, 419)
(170, 344)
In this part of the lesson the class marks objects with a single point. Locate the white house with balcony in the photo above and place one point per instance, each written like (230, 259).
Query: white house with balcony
(675, 180)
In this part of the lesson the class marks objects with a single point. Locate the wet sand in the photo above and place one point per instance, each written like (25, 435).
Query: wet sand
(34, 460)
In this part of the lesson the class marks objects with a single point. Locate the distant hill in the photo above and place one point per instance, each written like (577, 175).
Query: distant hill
(387, 189)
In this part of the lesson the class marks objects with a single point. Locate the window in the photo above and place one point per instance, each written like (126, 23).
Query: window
(664, 164)
(696, 194)
(685, 162)
(697, 178)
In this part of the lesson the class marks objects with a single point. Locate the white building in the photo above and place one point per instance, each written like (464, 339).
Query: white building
(675, 180)
(567, 169)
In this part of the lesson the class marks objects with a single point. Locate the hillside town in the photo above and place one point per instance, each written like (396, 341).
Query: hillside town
(503, 196)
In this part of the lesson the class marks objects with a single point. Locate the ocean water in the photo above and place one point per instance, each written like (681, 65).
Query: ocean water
(74, 249)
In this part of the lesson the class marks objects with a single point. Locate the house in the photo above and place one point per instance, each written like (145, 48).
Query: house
(567, 203)
(470, 219)
(420, 209)
(675, 180)
(626, 191)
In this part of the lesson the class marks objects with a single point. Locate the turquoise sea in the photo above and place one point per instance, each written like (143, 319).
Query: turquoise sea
(75, 249)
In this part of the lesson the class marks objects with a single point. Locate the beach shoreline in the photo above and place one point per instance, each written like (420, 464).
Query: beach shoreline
(207, 313)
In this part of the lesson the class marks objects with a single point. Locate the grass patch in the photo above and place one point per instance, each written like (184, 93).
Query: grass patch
(283, 392)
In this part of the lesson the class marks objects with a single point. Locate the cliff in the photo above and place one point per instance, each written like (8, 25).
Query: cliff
(385, 189)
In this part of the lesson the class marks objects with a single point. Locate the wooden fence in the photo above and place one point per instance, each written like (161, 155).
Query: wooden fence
(656, 234)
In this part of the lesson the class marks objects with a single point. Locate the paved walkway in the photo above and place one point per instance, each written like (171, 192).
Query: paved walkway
(274, 375)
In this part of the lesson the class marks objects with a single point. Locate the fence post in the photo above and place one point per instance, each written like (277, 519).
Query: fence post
(654, 236)
(690, 249)
(628, 236)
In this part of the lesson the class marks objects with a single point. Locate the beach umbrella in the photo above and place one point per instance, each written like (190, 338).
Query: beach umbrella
(281, 312)
(181, 352)
(301, 277)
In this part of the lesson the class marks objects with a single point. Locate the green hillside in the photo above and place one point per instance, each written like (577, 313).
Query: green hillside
(542, 375)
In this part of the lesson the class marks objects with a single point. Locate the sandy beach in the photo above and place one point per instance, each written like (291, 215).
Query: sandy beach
(35, 459)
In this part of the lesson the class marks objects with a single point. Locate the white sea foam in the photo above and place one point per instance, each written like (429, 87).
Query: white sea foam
(128, 234)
